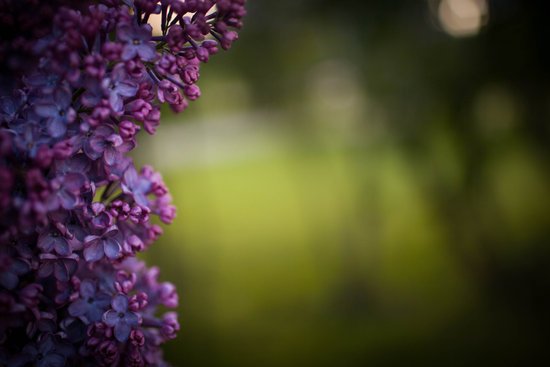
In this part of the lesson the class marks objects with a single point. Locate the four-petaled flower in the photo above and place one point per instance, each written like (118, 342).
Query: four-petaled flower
(107, 244)
(119, 86)
(104, 141)
(58, 112)
(91, 304)
(46, 354)
(137, 186)
(121, 318)
(137, 42)
(55, 238)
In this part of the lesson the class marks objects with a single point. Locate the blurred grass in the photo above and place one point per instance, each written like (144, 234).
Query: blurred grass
(306, 250)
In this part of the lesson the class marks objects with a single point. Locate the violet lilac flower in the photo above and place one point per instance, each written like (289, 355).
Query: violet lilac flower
(119, 86)
(80, 80)
(121, 318)
(92, 303)
(107, 244)
(136, 42)
(57, 111)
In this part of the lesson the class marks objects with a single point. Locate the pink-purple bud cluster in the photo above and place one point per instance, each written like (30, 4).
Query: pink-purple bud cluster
(74, 210)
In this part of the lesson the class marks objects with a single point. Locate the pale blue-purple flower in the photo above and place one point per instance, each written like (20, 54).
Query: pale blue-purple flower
(91, 304)
(121, 318)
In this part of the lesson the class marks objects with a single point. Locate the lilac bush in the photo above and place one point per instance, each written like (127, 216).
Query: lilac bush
(79, 80)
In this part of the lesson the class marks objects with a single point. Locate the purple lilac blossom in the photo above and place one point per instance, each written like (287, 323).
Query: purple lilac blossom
(80, 80)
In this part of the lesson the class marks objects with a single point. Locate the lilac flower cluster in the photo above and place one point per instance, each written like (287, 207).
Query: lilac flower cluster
(74, 210)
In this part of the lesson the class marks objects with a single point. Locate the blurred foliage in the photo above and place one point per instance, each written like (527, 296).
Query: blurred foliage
(356, 187)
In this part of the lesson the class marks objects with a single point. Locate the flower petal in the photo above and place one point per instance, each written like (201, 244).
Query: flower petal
(94, 251)
(112, 248)
(87, 289)
(67, 199)
(78, 308)
(126, 89)
(45, 270)
(131, 318)
(110, 156)
(120, 303)
(60, 272)
(46, 110)
(56, 127)
(62, 246)
(110, 317)
(122, 331)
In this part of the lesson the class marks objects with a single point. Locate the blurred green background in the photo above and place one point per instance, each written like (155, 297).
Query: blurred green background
(364, 183)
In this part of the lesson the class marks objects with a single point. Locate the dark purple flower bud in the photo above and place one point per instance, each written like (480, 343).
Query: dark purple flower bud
(167, 65)
(128, 129)
(139, 109)
(192, 30)
(137, 359)
(135, 243)
(211, 46)
(168, 295)
(137, 338)
(119, 209)
(44, 156)
(96, 247)
(154, 232)
(100, 113)
(121, 318)
(189, 70)
(125, 282)
(176, 38)
(111, 50)
(63, 149)
(138, 301)
(135, 69)
(170, 325)
(152, 120)
(94, 66)
(108, 352)
(202, 54)
(97, 333)
(169, 92)
(167, 213)
(192, 91)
